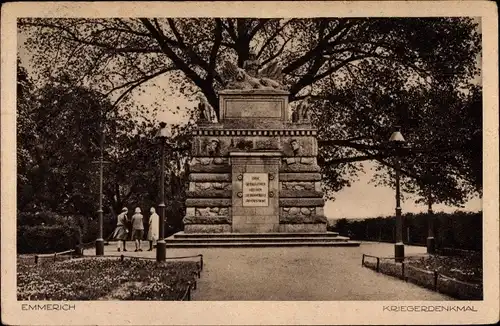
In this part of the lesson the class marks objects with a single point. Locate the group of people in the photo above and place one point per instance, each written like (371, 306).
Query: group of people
(136, 224)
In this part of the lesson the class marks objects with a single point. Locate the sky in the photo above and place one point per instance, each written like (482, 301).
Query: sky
(361, 200)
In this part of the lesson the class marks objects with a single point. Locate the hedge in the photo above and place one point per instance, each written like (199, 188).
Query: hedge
(48, 232)
(459, 230)
(47, 238)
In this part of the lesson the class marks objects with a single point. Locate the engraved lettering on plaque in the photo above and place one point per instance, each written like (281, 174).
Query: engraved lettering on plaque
(255, 189)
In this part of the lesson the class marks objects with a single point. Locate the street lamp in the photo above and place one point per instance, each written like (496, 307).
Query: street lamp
(399, 249)
(431, 241)
(99, 243)
(161, 247)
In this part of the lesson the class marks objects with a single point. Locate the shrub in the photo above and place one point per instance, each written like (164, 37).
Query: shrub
(47, 232)
(47, 238)
(460, 230)
(91, 232)
(40, 218)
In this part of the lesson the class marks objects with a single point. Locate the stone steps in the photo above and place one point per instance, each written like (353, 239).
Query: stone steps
(212, 244)
(256, 235)
(260, 239)
(202, 240)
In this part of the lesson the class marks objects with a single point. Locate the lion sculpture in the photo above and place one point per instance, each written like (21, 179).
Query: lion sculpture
(250, 77)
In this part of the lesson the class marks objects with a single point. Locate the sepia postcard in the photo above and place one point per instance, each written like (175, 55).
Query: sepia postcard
(256, 163)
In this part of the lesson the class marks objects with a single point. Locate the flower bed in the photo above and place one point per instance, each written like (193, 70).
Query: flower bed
(103, 279)
(459, 277)
(467, 269)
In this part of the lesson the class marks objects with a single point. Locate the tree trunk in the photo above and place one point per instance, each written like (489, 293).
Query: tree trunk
(243, 50)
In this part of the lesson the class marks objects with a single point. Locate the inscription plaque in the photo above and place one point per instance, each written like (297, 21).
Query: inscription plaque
(255, 189)
(244, 108)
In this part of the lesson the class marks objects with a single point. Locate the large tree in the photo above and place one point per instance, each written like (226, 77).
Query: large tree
(442, 126)
(365, 74)
(60, 129)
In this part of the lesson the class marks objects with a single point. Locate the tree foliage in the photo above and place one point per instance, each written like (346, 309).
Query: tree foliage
(364, 74)
(60, 129)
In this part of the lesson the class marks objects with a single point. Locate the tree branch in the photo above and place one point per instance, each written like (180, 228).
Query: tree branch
(231, 30)
(258, 27)
(307, 78)
(355, 159)
(277, 54)
(335, 68)
(134, 84)
(158, 35)
(215, 49)
(73, 37)
(272, 37)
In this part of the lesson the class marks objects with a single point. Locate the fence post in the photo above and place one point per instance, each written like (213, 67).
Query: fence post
(363, 261)
(403, 270)
(122, 257)
(55, 256)
(36, 259)
(189, 292)
(378, 264)
(201, 261)
(435, 280)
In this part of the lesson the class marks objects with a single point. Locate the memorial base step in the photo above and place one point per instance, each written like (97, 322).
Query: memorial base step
(256, 235)
(199, 240)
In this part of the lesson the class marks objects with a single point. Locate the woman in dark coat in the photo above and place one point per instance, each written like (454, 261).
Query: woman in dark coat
(121, 231)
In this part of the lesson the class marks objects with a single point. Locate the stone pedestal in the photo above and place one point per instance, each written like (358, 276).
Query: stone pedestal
(253, 109)
(255, 196)
(255, 171)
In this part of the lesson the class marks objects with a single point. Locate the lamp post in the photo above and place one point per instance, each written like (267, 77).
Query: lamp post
(99, 243)
(399, 249)
(161, 245)
(431, 241)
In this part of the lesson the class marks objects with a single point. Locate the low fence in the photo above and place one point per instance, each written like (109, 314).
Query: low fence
(55, 256)
(72, 254)
(429, 279)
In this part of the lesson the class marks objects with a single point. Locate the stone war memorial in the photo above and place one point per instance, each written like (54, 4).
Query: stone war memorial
(254, 173)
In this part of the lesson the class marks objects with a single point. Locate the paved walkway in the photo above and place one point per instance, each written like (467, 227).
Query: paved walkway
(296, 273)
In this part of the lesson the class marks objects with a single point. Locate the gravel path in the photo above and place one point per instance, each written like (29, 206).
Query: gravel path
(297, 273)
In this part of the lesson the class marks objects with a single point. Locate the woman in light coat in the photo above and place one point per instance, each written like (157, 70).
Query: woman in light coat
(154, 220)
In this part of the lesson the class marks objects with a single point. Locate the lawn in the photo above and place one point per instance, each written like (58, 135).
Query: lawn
(103, 279)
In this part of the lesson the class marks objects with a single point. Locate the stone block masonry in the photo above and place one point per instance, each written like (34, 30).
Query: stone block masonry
(254, 171)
